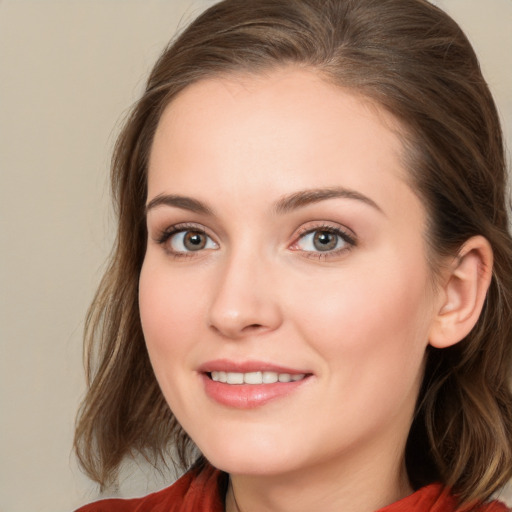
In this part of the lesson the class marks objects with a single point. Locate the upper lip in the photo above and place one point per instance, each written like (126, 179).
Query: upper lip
(225, 365)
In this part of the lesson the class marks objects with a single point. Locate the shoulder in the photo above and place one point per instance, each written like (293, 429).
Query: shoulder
(196, 491)
(436, 498)
(495, 506)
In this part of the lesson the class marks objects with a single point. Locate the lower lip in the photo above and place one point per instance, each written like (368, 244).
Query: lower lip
(248, 396)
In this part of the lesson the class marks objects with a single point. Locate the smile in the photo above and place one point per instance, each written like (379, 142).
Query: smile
(258, 377)
(250, 384)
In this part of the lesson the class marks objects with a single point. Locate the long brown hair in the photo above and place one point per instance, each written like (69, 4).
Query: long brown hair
(413, 60)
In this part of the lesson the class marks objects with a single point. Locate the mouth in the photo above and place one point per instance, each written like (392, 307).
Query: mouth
(250, 384)
(254, 378)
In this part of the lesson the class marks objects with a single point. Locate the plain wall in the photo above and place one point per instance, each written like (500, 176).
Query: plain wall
(69, 70)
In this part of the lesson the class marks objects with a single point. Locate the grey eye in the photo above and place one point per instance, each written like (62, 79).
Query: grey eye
(321, 241)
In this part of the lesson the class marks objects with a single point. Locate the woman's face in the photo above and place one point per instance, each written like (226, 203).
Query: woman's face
(285, 244)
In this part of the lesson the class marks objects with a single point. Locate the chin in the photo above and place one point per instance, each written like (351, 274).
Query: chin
(250, 456)
(250, 464)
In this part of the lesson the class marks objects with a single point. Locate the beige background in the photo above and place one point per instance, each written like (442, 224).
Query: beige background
(69, 70)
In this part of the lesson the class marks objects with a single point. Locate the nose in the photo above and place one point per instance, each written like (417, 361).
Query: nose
(245, 300)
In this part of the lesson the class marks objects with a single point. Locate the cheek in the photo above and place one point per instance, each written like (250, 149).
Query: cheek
(170, 311)
(370, 322)
(372, 340)
(169, 308)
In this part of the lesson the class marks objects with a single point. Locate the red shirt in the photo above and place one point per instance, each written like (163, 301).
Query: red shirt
(205, 491)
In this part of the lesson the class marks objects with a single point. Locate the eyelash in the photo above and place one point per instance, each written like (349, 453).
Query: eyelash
(349, 238)
(166, 235)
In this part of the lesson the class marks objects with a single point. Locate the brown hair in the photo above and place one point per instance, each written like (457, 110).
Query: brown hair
(413, 60)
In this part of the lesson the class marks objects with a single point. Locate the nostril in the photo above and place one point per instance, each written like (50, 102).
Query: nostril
(252, 327)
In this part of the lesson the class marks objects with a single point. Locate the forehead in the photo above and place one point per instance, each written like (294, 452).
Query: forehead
(300, 99)
(293, 93)
(270, 133)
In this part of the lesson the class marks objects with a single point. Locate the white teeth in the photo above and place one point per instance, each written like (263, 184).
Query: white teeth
(235, 378)
(270, 377)
(255, 377)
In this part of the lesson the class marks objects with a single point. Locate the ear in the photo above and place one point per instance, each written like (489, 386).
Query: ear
(462, 296)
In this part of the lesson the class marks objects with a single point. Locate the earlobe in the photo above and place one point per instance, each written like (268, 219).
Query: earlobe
(463, 294)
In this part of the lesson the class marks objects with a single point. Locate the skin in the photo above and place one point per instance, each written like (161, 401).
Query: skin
(357, 319)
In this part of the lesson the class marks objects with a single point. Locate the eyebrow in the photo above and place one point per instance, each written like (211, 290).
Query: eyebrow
(304, 198)
(286, 204)
(183, 202)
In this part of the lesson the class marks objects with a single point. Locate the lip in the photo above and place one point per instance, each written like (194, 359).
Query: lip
(225, 365)
(248, 396)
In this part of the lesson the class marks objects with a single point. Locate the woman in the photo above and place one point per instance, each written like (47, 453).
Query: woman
(310, 295)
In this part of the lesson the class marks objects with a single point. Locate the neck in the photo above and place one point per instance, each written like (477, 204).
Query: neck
(326, 487)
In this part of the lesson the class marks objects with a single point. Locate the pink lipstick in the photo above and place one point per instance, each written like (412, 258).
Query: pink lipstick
(249, 384)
